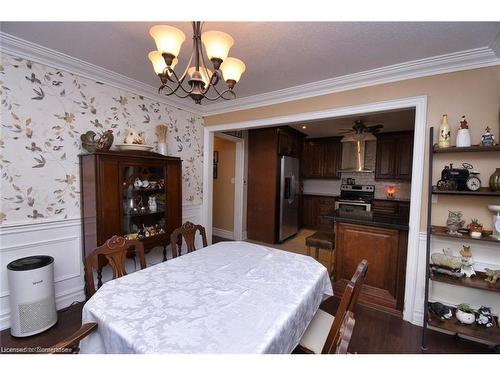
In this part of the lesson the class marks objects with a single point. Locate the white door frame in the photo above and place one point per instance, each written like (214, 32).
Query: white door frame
(239, 166)
(420, 104)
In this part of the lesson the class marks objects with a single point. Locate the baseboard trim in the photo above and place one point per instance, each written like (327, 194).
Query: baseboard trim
(223, 233)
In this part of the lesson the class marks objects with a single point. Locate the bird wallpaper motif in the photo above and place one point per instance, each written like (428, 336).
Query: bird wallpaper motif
(44, 111)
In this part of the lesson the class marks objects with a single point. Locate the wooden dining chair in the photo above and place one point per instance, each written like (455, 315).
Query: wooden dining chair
(345, 334)
(188, 232)
(324, 332)
(115, 251)
(70, 345)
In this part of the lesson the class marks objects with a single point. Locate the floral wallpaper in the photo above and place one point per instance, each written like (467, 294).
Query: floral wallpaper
(43, 113)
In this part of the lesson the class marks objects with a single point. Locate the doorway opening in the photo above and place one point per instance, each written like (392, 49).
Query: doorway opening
(414, 279)
(227, 182)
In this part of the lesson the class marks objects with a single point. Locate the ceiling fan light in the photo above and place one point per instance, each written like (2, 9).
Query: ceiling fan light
(206, 74)
(217, 44)
(158, 62)
(232, 69)
(168, 39)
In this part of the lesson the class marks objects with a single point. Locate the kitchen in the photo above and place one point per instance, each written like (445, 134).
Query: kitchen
(359, 190)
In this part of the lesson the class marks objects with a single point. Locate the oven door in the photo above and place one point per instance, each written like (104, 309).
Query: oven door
(352, 206)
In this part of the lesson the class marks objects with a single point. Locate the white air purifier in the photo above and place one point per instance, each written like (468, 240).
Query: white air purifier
(32, 299)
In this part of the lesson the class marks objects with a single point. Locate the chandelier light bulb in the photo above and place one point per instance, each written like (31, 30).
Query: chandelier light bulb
(158, 62)
(232, 69)
(206, 74)
(168, 39)
(217, 44)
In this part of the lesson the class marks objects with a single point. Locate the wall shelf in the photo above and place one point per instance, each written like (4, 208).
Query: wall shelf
(491, 334)
(476, 282)
(476, 148)
(482, 192)
(439, 231)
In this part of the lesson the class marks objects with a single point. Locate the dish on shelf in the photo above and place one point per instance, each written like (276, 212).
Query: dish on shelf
(132, 147)
(494, 207)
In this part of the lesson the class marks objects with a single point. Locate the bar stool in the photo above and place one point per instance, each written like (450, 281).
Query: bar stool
(321, 240)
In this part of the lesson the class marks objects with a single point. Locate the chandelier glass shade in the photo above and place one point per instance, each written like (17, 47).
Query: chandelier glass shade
(197, 80)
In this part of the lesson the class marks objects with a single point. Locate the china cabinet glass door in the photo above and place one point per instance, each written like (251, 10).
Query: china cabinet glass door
(144, 201)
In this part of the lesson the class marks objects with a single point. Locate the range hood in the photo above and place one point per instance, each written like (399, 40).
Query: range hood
(353, 152)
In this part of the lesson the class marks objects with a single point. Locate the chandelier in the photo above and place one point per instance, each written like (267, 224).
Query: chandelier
(201, 79)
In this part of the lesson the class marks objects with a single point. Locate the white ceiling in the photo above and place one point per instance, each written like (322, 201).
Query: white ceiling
(278, 55)
(396, 120)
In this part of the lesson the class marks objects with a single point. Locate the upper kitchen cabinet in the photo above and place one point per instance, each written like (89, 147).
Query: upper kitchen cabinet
(289, 142)
(322, 158)
(394, 156)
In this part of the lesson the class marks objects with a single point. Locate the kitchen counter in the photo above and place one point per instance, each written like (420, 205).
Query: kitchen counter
(382, 241)
(392, 199)
(369, 219)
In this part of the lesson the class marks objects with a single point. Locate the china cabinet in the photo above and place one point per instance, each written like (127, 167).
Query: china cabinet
(136, 194)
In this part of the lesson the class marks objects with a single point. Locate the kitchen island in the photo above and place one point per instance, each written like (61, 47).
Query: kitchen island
(381, 240)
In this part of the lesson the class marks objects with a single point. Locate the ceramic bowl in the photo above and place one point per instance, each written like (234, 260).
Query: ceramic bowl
(494, 207)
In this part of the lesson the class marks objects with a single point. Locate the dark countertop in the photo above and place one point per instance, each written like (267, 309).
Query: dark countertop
(392, 200)
(369, 219)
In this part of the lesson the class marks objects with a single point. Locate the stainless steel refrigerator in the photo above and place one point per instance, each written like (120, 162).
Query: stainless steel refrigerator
(289, 197)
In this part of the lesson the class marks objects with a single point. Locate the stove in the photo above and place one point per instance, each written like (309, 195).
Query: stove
(355, 198)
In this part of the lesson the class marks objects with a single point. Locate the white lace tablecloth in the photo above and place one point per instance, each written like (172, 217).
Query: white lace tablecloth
(231, 297)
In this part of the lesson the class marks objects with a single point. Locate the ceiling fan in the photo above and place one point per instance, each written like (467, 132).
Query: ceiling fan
(360, 131)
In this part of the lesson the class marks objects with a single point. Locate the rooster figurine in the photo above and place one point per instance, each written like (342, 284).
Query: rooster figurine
(91, 144)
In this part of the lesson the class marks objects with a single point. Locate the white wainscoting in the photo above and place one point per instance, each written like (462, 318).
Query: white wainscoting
(62, 241)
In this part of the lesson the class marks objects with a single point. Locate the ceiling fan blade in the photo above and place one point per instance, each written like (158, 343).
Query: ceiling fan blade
(374, 128)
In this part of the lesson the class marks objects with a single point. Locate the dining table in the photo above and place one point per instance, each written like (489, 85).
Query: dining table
(229, 297)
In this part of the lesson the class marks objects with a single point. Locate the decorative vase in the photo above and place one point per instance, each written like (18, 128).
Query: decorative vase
(495, 180)
(444, 133)
(152, 204)
(463, 138)
(162, 148)
(464, 317)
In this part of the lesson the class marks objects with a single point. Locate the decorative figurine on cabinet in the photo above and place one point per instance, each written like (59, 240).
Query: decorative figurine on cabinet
(443, 311)
(484, 317)
(467, 261)
(454, 222)
(152, 204)
(91, 144)
(463, 135)
(493, 275)
(487, 139)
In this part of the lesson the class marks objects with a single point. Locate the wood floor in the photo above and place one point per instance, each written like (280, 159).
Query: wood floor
(375, 333)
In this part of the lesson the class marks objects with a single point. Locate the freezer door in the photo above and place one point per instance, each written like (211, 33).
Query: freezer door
(289, 197)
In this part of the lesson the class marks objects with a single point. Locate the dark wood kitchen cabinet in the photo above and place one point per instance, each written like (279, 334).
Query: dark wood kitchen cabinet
(314, 212)
(322, 158)
(392, 209)
(265, 146)
(113, 203)
(385, 250)
(394, 156)
(289, 142)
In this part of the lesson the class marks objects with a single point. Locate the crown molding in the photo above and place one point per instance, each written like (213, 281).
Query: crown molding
(457, 61)
(28, 50)
(452, 62)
